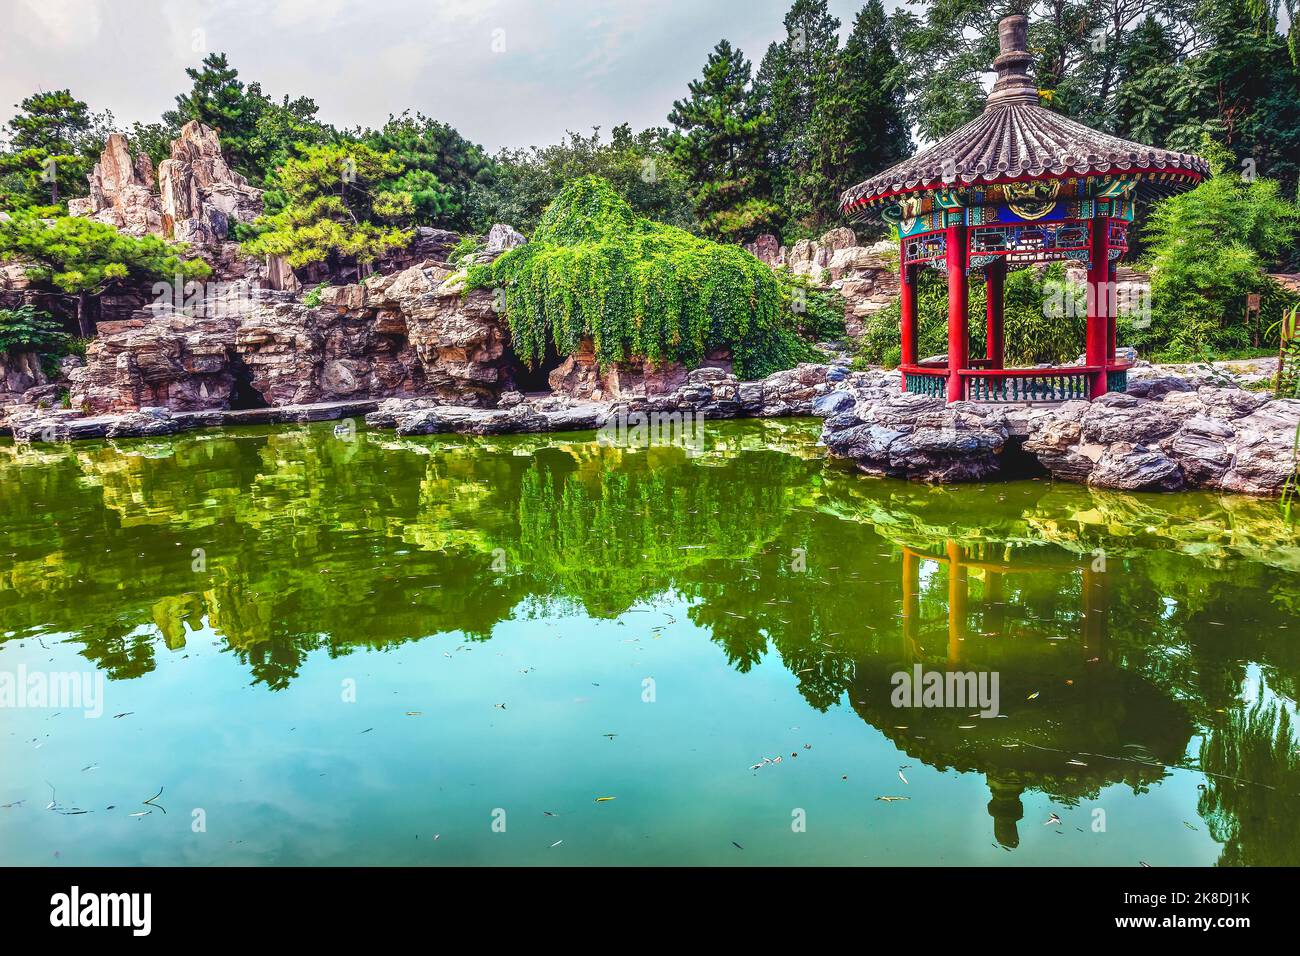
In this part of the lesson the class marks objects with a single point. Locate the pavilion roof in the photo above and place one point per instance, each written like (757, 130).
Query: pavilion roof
(1016, 139)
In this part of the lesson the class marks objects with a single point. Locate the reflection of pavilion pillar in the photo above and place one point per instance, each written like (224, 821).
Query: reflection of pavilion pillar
(995, 609)
(955, 248)
(1096, 608)
(957, 590)
(994, 282)
(911, 598)
(1098, 331)
(1006, 810)
(907, 310)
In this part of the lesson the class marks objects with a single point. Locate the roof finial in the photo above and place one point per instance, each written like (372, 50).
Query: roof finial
(1013, 85)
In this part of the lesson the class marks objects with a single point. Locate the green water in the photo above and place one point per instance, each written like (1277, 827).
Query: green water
(443, 650)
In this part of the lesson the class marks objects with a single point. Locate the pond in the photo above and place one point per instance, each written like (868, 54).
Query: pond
(297, 646)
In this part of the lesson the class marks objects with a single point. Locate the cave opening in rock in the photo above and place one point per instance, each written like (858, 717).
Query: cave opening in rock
(243, 394)
(534, 380)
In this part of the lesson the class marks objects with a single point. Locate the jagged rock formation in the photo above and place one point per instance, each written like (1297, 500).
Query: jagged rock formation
(20, 373)
(121, 191)
(406, 334)
(867, 276)
(201, 197)
(196, 197)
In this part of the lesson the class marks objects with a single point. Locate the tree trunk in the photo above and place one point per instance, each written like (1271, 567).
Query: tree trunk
(83, 317)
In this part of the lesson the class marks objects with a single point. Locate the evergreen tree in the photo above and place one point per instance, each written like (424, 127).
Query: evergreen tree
(53, 142)
(719, 143)
(342, 202)
(858, 125)
(219, 99)
(796, 74)
(81, 258)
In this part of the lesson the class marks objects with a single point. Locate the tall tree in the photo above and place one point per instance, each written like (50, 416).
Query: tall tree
(796, 74)
(858, 126)
(719, 143)
(441, 166)
(257, 133)
(53, 142)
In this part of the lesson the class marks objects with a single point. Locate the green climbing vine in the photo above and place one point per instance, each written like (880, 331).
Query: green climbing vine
(642, 289)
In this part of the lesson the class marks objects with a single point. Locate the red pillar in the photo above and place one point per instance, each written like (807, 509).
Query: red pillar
(955, 237)
(1113, 318)
(907, 309)
(995, 278)
(1098, 333)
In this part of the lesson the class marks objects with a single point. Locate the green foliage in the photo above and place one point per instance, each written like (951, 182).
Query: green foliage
(1208, 249)
(639, 289)
(340, 202)
(522, 183)
(76, 255)
(257, 133)
(313, 296)
(53, 142)
(1038, 327)
(25, 329)
(83, 258)
(719, 143)
(441, 167)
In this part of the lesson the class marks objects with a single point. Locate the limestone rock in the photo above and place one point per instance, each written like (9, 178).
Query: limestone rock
(121, 191)
(502, 237)
(201, 197)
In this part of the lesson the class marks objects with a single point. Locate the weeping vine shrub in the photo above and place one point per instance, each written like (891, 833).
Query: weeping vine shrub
(644, 290)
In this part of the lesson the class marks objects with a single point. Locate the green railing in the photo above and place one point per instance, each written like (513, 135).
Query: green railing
(921, 384)
(1045, 385)
(1117, 380)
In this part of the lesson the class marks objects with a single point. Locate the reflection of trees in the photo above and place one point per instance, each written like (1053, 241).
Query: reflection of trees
(1253, 766)
(316, 545)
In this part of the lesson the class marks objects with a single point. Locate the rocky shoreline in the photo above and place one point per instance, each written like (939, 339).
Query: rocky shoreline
(1170, 431)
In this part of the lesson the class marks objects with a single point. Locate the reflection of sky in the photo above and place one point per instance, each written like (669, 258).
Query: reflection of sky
(298, 776)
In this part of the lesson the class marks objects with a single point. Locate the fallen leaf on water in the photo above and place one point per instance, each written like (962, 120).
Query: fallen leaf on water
(736, 845)
(1032, 696)
(901, 777)
(556, 843)
(892, 799)
(1052, 819)
(605, 799)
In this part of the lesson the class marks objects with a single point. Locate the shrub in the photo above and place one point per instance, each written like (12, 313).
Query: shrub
(1208, 250)
(639, 289)
(25, 329)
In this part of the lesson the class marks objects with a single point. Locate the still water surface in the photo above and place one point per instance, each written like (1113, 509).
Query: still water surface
(443, 650)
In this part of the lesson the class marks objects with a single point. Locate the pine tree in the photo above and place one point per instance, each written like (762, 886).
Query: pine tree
(858, 126)
(718, 142)
(219, 99)
(794, 75)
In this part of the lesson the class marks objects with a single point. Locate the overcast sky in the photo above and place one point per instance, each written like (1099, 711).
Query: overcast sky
(562, 64)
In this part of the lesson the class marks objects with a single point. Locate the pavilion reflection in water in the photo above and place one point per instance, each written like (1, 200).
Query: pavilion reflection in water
(1071, 722)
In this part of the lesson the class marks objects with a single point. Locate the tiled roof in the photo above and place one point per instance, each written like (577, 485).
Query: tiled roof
(1015, 138)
